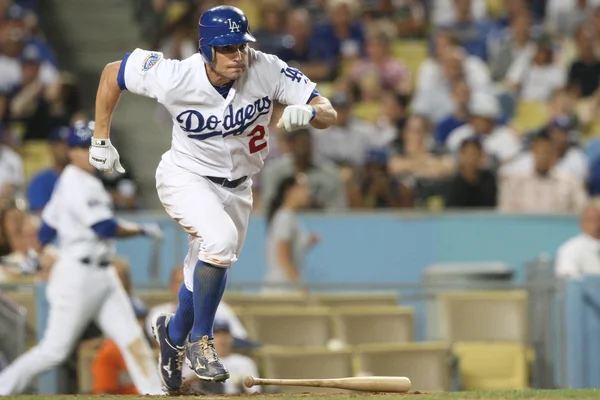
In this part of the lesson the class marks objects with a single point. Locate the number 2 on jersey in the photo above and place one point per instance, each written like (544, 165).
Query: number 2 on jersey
(257, 141)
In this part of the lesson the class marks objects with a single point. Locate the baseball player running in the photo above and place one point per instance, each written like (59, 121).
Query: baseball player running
(221, 102)
(83, 285)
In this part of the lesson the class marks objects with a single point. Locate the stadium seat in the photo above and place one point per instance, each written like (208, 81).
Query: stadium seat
(85, 358)
(26, 298)
(411, 53)
(305, 363)
(483, 316)
(427, 364)
(334, 300)
(493, 365)
(240, 299)
(289, 326)
(530, 115)
(363, 325)
(36, 157)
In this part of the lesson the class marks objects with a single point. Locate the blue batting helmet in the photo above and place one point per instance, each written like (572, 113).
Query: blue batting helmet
(222, 26)
(80, 134)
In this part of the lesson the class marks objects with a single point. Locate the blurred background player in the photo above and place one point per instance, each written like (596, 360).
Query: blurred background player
(84, 286)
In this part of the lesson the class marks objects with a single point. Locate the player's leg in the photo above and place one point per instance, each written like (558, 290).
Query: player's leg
(198, 205)
(67, 319)
(116, 319)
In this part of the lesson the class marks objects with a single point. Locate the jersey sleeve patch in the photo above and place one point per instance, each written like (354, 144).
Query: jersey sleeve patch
(150, 61)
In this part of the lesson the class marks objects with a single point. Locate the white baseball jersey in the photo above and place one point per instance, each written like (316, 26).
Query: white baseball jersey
(79, 200)
(212, 135)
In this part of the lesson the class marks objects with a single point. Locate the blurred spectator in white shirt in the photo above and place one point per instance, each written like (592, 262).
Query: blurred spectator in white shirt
(572, 160)
(443, 12)
(499, 141)
(580, 255)
(433, 95)
(543, 190)
(347, 142)
(536, 75)
(514, 42)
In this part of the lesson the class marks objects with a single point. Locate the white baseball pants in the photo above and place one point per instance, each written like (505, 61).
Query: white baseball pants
(215, 217)
(78, 294)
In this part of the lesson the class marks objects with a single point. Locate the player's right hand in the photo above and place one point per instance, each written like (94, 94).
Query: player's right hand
(153, 231)
(104, 156)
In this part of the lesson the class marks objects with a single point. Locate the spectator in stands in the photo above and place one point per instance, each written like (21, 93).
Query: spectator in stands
(287, 240)
(374, 187)
(18, 234)
(584, 72)
(224, 312)
(571, 160)
(543, 190)
(473, 186)
(30, 104)
(500, 143)
(514, 43)
(11, 172)
(394, 111)
(418, 158)
(460, 114)
(64, 103)
(347, 142)
(433, 97)
(109, 372)
(472, 34)
(270, 36)
(238, 365)
(342, 35)
(393, 75)
(42, 184)
(326, 187)
(580, 255)
(408, 16)
(301, 50)
(13, 51)
(566, 20)
(535, 77)
(443, 12)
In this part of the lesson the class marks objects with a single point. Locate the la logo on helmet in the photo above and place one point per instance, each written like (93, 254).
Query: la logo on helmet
(233, 26)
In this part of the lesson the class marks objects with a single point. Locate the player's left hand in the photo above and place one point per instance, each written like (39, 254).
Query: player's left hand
(296, 117)
(153, 231)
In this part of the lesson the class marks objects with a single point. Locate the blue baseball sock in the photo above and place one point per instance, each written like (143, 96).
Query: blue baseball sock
(209, 286)
(181, 323)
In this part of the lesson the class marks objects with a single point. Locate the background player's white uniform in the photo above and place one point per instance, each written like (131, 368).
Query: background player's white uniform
(213, 136)
(79, 293)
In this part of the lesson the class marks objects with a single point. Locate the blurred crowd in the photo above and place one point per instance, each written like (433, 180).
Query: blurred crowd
(441, 103)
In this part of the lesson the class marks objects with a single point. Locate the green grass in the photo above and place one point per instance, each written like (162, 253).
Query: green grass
(479, 395)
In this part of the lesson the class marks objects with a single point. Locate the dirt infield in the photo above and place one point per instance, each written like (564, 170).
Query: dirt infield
(500, 395)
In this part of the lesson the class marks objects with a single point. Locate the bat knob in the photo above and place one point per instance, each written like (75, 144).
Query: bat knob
(249, 381)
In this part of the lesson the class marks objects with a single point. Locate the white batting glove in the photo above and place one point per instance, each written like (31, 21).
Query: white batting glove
(104, 156)
(296, 117)
(153, 231)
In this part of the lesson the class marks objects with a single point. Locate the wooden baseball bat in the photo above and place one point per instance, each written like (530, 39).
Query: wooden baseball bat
(393, 384)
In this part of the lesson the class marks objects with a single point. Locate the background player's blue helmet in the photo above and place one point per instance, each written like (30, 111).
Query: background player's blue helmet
(222, 26)
(80, 134)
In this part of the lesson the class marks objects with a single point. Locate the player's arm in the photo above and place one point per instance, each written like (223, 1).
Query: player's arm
(114, 228)
(324, 115)
(140, 72)
(107, 98)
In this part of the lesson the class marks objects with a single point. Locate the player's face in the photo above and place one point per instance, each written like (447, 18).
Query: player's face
(231, 61)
